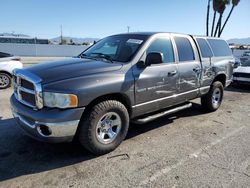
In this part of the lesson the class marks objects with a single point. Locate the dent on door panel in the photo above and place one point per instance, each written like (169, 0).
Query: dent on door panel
(153, 87)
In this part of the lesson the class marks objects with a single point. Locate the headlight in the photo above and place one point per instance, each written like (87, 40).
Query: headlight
(59, 100)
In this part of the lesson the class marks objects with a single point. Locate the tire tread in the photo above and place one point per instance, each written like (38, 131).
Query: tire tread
(86, 126)
(206, 100)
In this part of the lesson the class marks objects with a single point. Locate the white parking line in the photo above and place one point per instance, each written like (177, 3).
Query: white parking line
(195, 154)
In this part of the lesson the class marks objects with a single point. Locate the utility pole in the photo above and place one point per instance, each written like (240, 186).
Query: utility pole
(61, 35)
(35, 46)
(128, 27)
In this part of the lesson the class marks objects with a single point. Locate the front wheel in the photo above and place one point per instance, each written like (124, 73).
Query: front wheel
(104, 127)
(5, 80)
(213, 99)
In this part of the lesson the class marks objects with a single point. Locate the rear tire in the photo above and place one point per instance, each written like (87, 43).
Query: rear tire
(213, 99)
(104, 127)
(5, 80)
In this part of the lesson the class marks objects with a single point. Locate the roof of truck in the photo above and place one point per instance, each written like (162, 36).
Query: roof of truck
(141, 33)
(154, 32)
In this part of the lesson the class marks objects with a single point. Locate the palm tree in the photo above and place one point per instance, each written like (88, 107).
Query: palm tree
(207, 23)
(221, 9)
(234, 4)
(216, 4)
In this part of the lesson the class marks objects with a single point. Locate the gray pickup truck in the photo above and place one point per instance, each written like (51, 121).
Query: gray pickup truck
(127, 77)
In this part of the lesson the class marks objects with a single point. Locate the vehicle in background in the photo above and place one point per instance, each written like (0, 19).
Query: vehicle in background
(135, 77)
(8, 63)
(246, 53)
(241, 74)
(237, 62)
(245, 57)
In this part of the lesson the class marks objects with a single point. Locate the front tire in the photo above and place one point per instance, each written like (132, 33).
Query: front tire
(104, 127)
(213, 99)
(5, 80)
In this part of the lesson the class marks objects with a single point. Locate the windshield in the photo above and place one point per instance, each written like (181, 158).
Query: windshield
(120, 48)
(246, 54)
(245, 64)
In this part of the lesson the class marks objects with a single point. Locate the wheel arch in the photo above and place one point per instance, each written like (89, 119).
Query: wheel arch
(6, 72)
(124, 99)
(221, 78)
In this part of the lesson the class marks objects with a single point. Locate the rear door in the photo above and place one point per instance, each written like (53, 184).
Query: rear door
(189, 68)
(206, 60)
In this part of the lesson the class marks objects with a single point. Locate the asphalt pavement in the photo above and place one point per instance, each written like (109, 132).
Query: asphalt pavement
(187, 149)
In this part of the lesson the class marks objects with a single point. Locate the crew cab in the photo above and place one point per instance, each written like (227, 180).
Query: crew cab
(126, 77)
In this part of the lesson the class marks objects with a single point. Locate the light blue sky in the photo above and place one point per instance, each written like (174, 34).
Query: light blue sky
(99, 18)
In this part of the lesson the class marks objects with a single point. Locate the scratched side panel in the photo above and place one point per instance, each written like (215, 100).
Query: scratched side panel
(189, 80)
(154, 87)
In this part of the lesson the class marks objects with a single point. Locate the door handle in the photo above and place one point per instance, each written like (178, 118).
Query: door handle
(197, 69)
(172, 73)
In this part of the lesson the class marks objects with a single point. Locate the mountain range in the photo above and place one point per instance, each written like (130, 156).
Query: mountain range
(75, 40)
(242, 41)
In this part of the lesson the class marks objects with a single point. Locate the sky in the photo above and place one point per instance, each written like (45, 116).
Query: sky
(100, 18)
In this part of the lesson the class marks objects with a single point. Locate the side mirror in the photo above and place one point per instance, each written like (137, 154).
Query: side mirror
(141, 64)
(154, 58)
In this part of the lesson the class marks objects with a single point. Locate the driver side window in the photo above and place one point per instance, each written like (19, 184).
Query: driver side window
(162, 45)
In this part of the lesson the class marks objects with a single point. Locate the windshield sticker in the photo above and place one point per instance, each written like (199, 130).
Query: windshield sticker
(135, 41)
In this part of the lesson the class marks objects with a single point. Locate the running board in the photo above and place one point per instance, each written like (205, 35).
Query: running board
(164, 113)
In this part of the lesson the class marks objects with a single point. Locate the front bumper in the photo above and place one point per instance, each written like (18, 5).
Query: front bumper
(48, 125)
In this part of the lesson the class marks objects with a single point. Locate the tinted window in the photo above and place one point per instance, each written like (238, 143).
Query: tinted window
(164, 46)
(204, 48)
(185, 50)
(245, 64)
(219, 47)
(246, 54)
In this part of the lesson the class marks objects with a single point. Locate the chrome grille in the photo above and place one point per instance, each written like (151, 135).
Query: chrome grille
(27, 88)
(27, 84)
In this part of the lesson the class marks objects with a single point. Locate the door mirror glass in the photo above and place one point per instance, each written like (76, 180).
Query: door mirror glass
(154, 58)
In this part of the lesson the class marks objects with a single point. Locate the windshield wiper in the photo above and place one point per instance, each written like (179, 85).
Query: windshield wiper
(85, 56)
(104, 56)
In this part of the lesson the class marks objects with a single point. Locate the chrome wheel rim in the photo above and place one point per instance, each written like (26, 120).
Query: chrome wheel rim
(216, 97)
(108, 127)
(4, 81)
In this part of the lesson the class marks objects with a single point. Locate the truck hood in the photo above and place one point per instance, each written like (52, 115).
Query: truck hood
(70, 68)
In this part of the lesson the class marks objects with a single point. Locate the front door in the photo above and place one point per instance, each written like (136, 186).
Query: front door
(156, 84)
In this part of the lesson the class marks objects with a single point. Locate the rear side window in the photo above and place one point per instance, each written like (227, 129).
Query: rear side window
(164, 46)
(204, 48)
(185, 50)
(219, 47)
